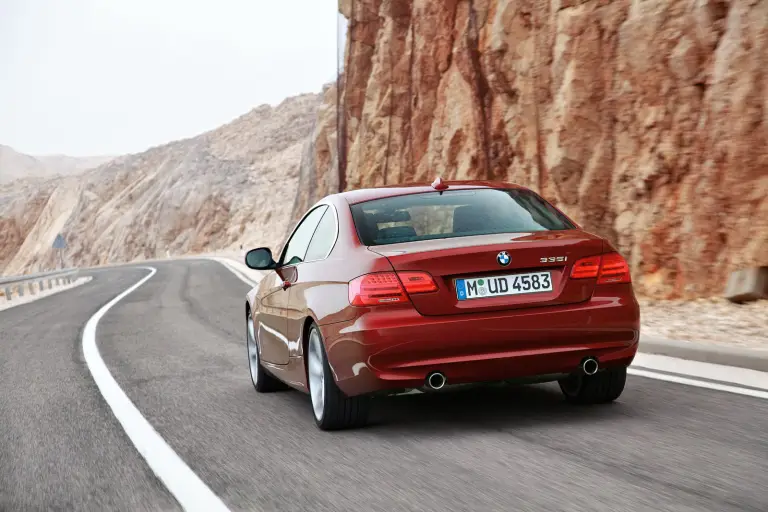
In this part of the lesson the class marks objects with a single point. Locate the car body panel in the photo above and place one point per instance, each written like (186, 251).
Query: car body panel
(369, 194)
(318, 291)
(271, 324)
(475, 256)
(394, 347)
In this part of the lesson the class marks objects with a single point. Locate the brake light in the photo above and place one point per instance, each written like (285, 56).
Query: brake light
(614, 269)
(388, 288)
(586, 268)
(375, 289)
(608, 268)
(417, 282)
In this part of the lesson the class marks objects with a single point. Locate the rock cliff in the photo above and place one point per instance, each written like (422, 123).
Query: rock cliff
(230, 186)
(15, 165)
(647, 121)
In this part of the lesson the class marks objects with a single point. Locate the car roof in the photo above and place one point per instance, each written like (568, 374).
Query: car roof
(369, 194)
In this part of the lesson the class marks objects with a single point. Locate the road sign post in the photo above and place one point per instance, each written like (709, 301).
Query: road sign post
(60, 243)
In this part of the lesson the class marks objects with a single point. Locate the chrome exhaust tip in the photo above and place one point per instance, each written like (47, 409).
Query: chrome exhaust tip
(435, 380)
(590, 366)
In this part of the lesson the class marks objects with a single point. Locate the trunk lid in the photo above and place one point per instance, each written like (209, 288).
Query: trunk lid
(471, 257)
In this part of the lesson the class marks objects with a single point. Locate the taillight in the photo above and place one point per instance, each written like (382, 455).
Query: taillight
(417, 282)
(613, 269)
(586, 268)
(375, 289)
(388, 287)
(608, 268)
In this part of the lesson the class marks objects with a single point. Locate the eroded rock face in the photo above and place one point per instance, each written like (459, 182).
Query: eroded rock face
(228, 187)
(15, 165)
(319, 154)
(646, 121)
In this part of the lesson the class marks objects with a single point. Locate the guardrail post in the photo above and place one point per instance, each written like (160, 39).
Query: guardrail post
(37, 282)
(8, 293)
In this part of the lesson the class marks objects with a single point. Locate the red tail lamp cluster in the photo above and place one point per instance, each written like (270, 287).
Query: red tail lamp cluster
(608, 269)
(389, 288)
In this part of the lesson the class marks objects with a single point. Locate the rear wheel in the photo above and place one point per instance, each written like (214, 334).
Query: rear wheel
(331, 408)
(603, 387)
(262, 381)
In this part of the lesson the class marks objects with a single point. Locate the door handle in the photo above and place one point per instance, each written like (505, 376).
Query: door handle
(286, 285)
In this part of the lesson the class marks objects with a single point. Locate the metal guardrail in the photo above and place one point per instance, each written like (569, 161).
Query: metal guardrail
(27, 277)
(36, 282)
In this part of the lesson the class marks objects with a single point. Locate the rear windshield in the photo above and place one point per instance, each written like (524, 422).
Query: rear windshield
(432, 215)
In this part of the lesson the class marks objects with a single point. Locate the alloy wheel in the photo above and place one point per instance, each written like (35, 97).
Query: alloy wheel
(316, 374)
(253, 351)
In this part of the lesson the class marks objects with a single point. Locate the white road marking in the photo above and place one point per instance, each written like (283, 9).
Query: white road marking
(699, 383)
(188, 489)
(719, 372)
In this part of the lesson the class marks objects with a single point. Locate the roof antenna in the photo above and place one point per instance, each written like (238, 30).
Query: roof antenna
(439, 185)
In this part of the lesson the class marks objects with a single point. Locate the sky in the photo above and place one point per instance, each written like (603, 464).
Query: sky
(109, 77)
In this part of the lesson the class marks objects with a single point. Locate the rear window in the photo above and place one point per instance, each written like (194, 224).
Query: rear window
(432, 215)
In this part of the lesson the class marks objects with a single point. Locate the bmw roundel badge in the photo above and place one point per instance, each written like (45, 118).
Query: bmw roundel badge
(503, 258)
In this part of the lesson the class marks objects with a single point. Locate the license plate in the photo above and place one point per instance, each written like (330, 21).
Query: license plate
(498, 286)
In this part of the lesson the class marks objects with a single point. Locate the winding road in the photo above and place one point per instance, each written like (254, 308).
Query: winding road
(175, 346)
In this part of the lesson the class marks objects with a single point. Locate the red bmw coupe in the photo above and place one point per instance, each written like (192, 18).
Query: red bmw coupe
(422, 286)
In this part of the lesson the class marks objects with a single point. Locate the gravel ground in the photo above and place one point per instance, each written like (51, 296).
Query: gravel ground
(713, 320)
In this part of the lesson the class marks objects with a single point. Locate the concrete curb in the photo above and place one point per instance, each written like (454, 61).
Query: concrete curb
(706, 353)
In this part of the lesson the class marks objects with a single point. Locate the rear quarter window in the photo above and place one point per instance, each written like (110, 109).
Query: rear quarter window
(324, 238)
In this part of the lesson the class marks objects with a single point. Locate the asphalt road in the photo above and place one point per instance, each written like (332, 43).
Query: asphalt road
(176, 346)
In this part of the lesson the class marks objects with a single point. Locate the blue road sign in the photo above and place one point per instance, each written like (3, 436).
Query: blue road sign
(59, 243)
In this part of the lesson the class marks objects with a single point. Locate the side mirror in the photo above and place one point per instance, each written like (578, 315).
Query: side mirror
(260, 259)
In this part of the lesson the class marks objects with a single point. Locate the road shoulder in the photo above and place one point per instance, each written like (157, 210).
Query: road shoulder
(706, 353)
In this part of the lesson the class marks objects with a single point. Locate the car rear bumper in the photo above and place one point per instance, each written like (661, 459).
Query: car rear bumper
(392, 348)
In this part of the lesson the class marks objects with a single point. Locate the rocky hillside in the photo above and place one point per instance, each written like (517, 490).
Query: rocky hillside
(646, 121)
(207, 193)
(15, 165)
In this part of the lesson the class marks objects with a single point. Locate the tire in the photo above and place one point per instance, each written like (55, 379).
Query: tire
(603, 387)
(262, 380)
(331, 408)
